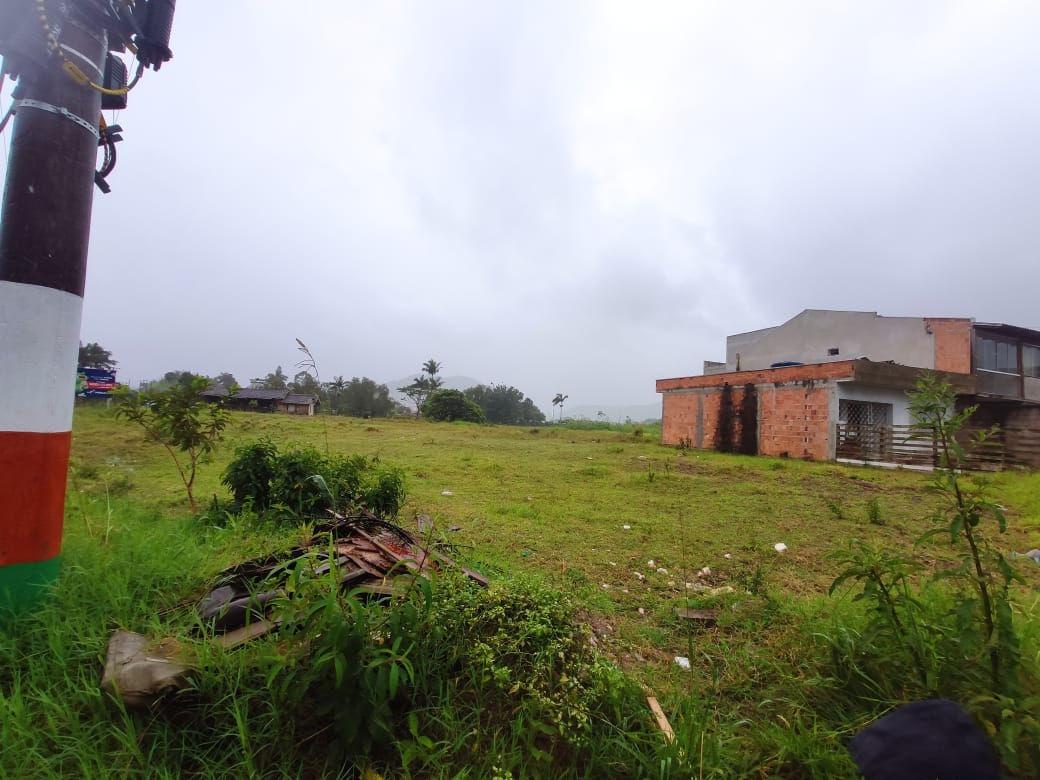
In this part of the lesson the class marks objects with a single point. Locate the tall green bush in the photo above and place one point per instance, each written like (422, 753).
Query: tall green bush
(303, 482)
(451, 405)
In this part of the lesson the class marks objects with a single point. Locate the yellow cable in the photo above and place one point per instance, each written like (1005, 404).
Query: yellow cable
(80, 77)
(71, 69)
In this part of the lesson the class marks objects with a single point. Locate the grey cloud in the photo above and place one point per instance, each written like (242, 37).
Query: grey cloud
(576, 198)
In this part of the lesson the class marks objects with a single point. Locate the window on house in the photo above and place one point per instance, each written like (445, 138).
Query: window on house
(832, 351)
(1031, 360)
(994, 355)
(865, 413)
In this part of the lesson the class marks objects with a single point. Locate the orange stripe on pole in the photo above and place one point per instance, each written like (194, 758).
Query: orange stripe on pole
(32, 494)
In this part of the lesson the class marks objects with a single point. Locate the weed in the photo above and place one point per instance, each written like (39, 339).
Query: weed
(940, 632)
(874, 511)
(85, 470)
(836, 510)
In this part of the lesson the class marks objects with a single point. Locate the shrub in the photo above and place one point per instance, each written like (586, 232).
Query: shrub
(451, 674)
(451, 405)
(250, 473)
(303, 482)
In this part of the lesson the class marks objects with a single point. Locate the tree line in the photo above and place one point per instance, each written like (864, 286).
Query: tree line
(364, 397)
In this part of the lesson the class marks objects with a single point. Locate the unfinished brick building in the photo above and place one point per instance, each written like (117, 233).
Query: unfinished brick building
(828, 383)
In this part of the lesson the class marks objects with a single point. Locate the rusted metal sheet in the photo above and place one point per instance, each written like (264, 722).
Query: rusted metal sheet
(365, 553)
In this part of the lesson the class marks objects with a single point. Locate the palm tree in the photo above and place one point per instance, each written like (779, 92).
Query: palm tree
(335, 390)
(558, 401)
(432, 367)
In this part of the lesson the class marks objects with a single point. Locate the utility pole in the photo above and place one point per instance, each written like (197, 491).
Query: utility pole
(44, 235)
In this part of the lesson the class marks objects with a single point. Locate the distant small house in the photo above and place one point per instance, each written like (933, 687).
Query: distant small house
(298, 403)
(254, 399)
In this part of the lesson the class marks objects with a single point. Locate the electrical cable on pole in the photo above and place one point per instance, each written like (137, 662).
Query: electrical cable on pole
(63, 57)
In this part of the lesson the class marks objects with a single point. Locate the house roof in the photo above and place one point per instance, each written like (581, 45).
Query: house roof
(1015, 331)
(300, 398)
(260, 394)
(216, 391)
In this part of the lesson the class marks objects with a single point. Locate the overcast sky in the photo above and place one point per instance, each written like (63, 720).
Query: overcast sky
(562, 196)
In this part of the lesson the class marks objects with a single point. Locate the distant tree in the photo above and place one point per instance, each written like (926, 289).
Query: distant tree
(451, 405)
(334, 394)
(173, 379)
(276, 381)
(431, 368)
(227, 381)
(505, 405)
(181, 421)
(558, 401)
(305, 383)
(424, 384)
(366, 398)
(93, 355)
(417, 392)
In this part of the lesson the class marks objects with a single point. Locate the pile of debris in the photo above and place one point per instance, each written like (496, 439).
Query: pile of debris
(365, 553)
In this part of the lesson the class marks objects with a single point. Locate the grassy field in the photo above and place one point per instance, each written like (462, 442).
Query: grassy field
(584, 511)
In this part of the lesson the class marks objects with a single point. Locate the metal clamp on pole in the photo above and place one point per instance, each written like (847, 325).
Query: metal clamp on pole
(60, 111)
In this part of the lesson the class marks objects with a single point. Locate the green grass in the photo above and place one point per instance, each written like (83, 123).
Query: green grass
(544, 505)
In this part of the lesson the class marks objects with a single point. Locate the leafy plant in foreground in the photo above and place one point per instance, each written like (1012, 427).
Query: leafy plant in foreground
(884, 581)
(983, 568)
(962, 617)
(180, 420)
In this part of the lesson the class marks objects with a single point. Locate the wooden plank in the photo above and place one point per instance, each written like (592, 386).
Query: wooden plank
(698, 615)
(247, 632)
(661, 718)
(376, 588)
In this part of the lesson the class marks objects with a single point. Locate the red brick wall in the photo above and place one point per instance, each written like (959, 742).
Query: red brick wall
(678, 417)
(839, 369)
(713, 418)
(795, 420)
(793, 408)
(952, 344)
